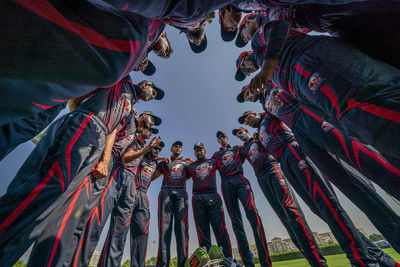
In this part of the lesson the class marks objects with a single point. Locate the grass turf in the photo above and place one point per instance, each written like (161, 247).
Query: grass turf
(339, 260)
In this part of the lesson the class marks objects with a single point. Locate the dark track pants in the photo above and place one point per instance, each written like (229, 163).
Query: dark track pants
(172, 205)
(17, 132)
(64, 156)
(283, 201)
(361, 157)
(236, 188)
(80, 46)
(316, 143)
(352, 89)
(323, 202)
(140, 228)
(121, 215)
(208, 209)
(358, 191)
(88, 237)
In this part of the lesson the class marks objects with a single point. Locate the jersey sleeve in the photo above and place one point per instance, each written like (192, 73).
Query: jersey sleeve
(159, 167)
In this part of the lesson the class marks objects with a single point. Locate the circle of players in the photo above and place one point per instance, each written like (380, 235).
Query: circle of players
(331, 116)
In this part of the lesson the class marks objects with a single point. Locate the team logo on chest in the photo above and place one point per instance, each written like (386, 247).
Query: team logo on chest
(253, 152)
(147, 171)
(314, 82)
(126, 105)
(177, 169)
(264, 137)
(202, 170)
(227, 158)
(128, 139)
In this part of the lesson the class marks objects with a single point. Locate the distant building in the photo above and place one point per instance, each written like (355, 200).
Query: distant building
(324, 238)
(288, 243)
(95, 259)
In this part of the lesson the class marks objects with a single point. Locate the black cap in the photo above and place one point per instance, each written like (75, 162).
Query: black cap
(150, 70)
(198, 144)
(239, 42)
(154, 130)
(227, 36)
(219, 133)
(177, 143)
(234, 131)
(241, 97)
(157, 120)
(240, 76)
(161, 145)
(241, 118)
(160, 93)
(199, 48)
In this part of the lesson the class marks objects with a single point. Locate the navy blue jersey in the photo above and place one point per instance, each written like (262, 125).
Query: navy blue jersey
(124, 137)
(146, 169)
(274, 135)
(278, 40)
(229, 161)
(113, 103)
(188, 25)
(256, 156)
(287, 111)
(133, 165)
(203, 174)
(175, 173)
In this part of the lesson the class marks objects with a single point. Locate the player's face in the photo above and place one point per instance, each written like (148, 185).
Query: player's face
(197, 38)
(223, 140)
(251, 120)
(243, 135)
(148, 92)
(248, 66)
(231, 19)
(143, 65)
(199, 152)
(155, 151)
(176, 149)
(248, 30)
(146, 121)
(146, 133)
(162, 46)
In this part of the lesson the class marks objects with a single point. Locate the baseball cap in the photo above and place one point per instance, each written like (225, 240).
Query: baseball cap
(234, 131)
(239, 42)
(160, 93)
(219, 133)
(157, 120)
(198, 144)
(154, 130)
(227, 36)
(177, 143)
(241, 118)
(240, 76)
(243, 95)
(150, 70)
(161, 145)
(199, 48)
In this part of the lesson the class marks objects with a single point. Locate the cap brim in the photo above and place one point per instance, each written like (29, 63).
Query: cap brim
(199, 48)
(241, 119)
(177, 143)
(154, 130)
(198, 147)
(150, 69)
(234, 131)
(240, 97)
(161, 145)
(228, 36)
(239, 76)
(239, 42)
(157, 120)
(160, 93)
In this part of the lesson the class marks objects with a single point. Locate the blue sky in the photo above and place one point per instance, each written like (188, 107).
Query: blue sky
(200, 99)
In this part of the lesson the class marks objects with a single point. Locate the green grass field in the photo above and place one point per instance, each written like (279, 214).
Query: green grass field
(333, 261)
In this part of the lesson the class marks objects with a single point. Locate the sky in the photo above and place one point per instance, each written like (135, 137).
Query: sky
(200, 99)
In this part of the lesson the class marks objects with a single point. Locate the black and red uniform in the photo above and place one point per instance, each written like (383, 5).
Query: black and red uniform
(280, 196)
(361, 97)
(207, 206)
(57, 173)
(236, 187)
(319, 139)
(119, 189)
(279, 141)
(121, 215)
(173, 205)
(75, 47)
(141, 212)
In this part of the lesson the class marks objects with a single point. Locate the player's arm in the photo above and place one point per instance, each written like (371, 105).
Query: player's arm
(131, 154)
(74, 103)
(274, 35)
(101, 168)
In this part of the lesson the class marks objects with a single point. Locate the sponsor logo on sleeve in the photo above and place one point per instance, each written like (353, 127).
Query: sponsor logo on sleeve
(302, 164)
(315, 82)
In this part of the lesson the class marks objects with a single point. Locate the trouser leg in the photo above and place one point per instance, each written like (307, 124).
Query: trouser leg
(181, 226)
(201, 219)
(165, 220)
